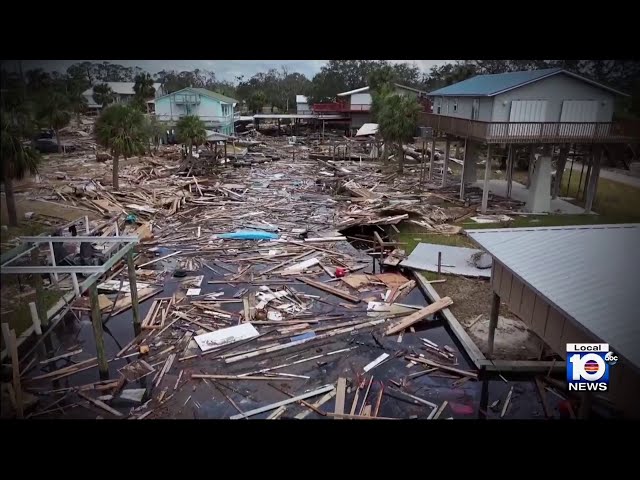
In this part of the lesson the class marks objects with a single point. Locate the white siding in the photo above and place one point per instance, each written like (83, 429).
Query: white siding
(527, 111)
(555, 90)
(579, 111)
(361, 99)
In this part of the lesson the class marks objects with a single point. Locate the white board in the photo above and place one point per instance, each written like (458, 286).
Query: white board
(578, 111)
(225, 336)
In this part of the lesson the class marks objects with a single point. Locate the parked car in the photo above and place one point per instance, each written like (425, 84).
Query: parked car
(46, 142)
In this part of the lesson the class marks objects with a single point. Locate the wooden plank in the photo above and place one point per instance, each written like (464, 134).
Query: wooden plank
(60, 357)
(236, 377)
(543, 398)
(329, 289)
(101, 404)
(440, 410)
(461, 334)
(15, 367)
(359, 417)
(273, 406)
(446, 368)
(316, 405)
(159, 258)
(340, 394)
(506, 403)
(65, 369)
(276, 414)
(419, 315)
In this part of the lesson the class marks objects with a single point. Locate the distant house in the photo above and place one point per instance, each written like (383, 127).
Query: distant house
(356, 104)
(302, 105)
(542, 109)
(214, 109)
(123, 91)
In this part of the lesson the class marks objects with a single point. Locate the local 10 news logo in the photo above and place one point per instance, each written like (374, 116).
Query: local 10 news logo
(588, 366)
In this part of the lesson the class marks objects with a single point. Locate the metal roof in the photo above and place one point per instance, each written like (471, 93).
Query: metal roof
(491, 85)
(301, 99)
(590, 273)
(366, 89)
(121, 88)
(206, 93)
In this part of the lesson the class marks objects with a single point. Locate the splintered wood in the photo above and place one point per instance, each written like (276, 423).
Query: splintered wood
(157, 314)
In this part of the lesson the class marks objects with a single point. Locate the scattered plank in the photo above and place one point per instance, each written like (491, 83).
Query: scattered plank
(446, 368)
(328, 289)
(419, 315)
(341, 390)
(60, 357)
(506, 403)
(15, 366)
(101, 404)
(316, 405)
(273, 406)
(237, 377)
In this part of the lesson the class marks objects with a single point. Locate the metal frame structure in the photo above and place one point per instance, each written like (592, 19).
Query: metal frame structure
(121, 247)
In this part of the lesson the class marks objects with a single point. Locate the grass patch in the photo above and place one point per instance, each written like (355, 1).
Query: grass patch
(613, 199)
(17, 313)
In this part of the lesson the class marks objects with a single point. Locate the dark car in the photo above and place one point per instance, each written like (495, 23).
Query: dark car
(46, 142)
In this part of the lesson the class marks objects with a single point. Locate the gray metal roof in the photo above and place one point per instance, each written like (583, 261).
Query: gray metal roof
(591, 273)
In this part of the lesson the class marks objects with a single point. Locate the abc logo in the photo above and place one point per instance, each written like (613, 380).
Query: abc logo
(591, 366)
(611, 358)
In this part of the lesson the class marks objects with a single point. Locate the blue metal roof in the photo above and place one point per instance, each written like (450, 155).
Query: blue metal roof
(488, 85)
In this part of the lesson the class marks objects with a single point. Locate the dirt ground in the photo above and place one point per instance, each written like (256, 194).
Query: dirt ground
(471, 298)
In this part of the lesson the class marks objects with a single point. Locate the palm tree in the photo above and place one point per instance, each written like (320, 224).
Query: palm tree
(77, 103)
(154, 130)
(17, 159)
(53, 113)
(103, 95)
(397, 117)
(190, 130)
(121, 130)
(144, 88)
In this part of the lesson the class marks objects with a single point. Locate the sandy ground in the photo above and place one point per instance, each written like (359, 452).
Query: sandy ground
(471, 298)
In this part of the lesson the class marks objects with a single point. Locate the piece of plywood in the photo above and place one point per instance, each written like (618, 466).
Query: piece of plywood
(329, 289)
(419, 315)
(392, 280)
(273, 406)
(225, 336)
(425, 257)
(356, 280)
(340, 395)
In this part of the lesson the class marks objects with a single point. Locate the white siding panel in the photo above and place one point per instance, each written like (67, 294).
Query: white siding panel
(579, 111)
(527, 111)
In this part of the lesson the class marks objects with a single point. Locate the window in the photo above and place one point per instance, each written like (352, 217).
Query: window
(438, 105)
(455, 104)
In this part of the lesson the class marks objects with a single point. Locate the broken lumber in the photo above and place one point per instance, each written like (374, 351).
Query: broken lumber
(446, 368)
(273, 406)
(341, 390)
(328, 289)
(101, 404)
(419, 315)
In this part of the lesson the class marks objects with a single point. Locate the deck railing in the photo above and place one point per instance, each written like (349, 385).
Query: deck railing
(340, 107)
(530, 132)
(209, 119)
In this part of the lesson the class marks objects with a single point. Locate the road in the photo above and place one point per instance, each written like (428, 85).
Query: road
(608, 174)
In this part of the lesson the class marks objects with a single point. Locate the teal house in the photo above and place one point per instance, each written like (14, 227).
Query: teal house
(214, 109)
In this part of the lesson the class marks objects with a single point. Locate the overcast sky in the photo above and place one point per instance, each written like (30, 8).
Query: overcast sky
(224, 69)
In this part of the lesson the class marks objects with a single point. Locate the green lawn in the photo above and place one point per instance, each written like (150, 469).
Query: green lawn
(613, 199)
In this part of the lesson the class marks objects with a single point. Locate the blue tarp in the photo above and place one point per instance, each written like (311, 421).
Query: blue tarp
(249, 235)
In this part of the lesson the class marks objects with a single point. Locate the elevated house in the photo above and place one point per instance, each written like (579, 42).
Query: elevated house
(539, 108)
(214, 109)
(356, 104)
(123, 92)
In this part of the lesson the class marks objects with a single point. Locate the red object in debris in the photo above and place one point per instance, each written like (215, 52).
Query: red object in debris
(461, 409)
(341, 272)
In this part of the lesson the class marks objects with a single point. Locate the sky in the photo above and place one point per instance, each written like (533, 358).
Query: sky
(224, 69)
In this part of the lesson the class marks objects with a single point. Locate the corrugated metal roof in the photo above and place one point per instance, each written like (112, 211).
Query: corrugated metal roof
(121, 88)
(490, 85)
(590, 273)
(207, 93)
(366, 89)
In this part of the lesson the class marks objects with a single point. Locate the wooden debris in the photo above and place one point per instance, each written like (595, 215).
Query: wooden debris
(419, 315)
(340, 393)
(506, 403)
(328, 289)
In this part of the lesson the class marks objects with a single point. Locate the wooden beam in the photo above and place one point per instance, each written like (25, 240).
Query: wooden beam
(445, 163)
(328, 289)
(487, 178)
(464, 160)
(96, 320)
(273, 406)
(493, 321)
(15, 367)
(340, 394)
(446, 368)
(523, 366)
(461, 334)
(419, 315)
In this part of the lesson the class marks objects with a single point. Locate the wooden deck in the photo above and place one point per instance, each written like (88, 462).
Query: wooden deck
(533, 132)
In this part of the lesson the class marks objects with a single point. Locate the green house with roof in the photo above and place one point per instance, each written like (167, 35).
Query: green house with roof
(214, 109)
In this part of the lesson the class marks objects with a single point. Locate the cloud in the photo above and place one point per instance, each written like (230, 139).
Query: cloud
(224, 69)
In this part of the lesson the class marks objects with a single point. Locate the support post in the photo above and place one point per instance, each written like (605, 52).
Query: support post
(581, 174)
(487, 177)
(86, 224)
(433, 154)
(532, 161)
(37, 284)
(323, 129)
(562, 162)
(225, 153)
(493, 323)
(573, 161)
(509, 169)
(53, 260)
(424, 153)
(593, 177)
(134, 292)
(96, 320)
(445, 163)
(76, 287)
(464, 161)
(34, 318)
(15, 365)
